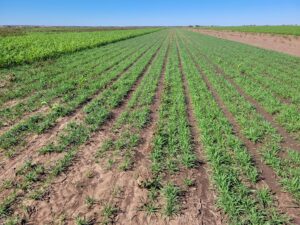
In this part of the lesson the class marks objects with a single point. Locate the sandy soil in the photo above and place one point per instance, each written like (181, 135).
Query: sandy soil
(285, 44)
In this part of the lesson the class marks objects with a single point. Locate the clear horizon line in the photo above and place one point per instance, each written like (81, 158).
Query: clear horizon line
(212, 25)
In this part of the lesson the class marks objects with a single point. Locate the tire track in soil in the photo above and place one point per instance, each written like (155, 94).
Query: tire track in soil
(267, 175)
(71, 189)
(10, 103)
(202, 197)
(9, 167)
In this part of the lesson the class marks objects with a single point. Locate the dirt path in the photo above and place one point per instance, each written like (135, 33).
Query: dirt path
(268, 177)
(285, 44)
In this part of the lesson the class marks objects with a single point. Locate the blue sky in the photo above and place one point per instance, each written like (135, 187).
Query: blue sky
(146, 12)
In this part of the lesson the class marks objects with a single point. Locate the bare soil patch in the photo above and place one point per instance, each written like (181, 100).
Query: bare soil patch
(286, 44)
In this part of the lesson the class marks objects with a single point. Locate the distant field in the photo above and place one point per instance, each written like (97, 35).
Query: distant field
(286, 30)
(19, 30)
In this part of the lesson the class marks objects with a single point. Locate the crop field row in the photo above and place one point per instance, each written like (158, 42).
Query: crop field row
(169, 127)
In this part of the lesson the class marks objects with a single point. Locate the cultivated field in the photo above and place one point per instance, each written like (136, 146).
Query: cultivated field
(166, 127)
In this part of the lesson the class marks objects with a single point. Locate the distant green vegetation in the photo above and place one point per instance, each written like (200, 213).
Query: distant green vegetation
(286, 30)
(23, 30)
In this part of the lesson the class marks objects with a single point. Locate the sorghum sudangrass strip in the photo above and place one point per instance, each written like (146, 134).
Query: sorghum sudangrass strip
(222, 149)
(256, 129)
(286, 115)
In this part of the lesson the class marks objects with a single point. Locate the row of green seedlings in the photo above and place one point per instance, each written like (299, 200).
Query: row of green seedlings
(286, 115)
(15, 137)
(278, 71)
(59, 87)
(75, 134)
(172, 150)
(127, 129)
(129, 125)
(277, 81)
(232, 169)
(259, 131)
